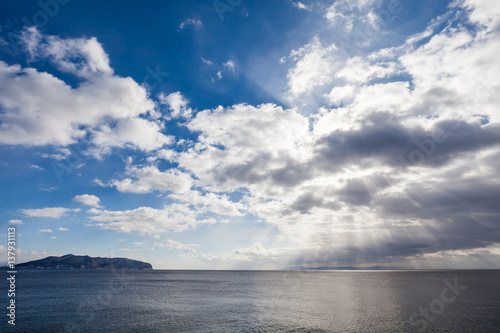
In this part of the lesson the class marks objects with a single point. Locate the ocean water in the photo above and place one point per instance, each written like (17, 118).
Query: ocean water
(256, 301)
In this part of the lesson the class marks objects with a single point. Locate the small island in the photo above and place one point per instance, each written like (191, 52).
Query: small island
(71, 261)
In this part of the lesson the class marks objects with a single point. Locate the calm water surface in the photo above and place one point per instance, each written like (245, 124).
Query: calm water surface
(251, 301)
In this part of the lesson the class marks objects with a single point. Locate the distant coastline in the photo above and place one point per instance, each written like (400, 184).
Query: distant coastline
(71, 261)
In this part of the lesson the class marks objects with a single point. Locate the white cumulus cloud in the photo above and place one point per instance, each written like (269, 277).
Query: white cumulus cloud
(195, 23)
(41, 109)
(49, 212)
(88, 199)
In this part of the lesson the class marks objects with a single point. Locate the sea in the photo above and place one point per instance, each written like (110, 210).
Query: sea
(255, 301)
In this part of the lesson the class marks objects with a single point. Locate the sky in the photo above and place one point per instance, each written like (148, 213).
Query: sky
(238, 134)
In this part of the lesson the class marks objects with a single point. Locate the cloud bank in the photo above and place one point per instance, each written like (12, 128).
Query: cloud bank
(399, 165)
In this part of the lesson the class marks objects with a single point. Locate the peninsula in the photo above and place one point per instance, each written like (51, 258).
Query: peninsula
(70, 261)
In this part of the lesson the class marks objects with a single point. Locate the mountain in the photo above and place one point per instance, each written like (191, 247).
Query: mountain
(71, 261)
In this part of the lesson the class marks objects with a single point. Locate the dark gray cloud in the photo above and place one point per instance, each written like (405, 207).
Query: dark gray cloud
(443, 199)
(355, 192)
(401, 242)
(309, 200)
(257, 170)
(383, 140)
(452, 214)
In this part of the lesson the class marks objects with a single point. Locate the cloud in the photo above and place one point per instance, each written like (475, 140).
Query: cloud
(23, 256)
(400, 163)
(127, 250)
(482, 13)
(247, 146)
(132, 133)
(177, 104)
(36, 167)
(41, 109)
(253, 253)
(45, 230)
(253, 256)
(30, 38)
(187, 248)
(186, 211)
(49, 212)
(395, 145)
(62, 153)
(300, 5)
(206, 61)
(347, 14)
(16, 222)
(195, 23)
(49, 189)
(62, 229)
(88, 199)
(387, 171)
(357, 69)
(341, 95)
(150, 178)
(314, 66)
(229, 65)
(149, 221)
(63, 51)
(210, 203)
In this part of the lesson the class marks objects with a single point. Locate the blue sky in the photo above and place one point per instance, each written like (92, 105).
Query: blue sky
(261, 135)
